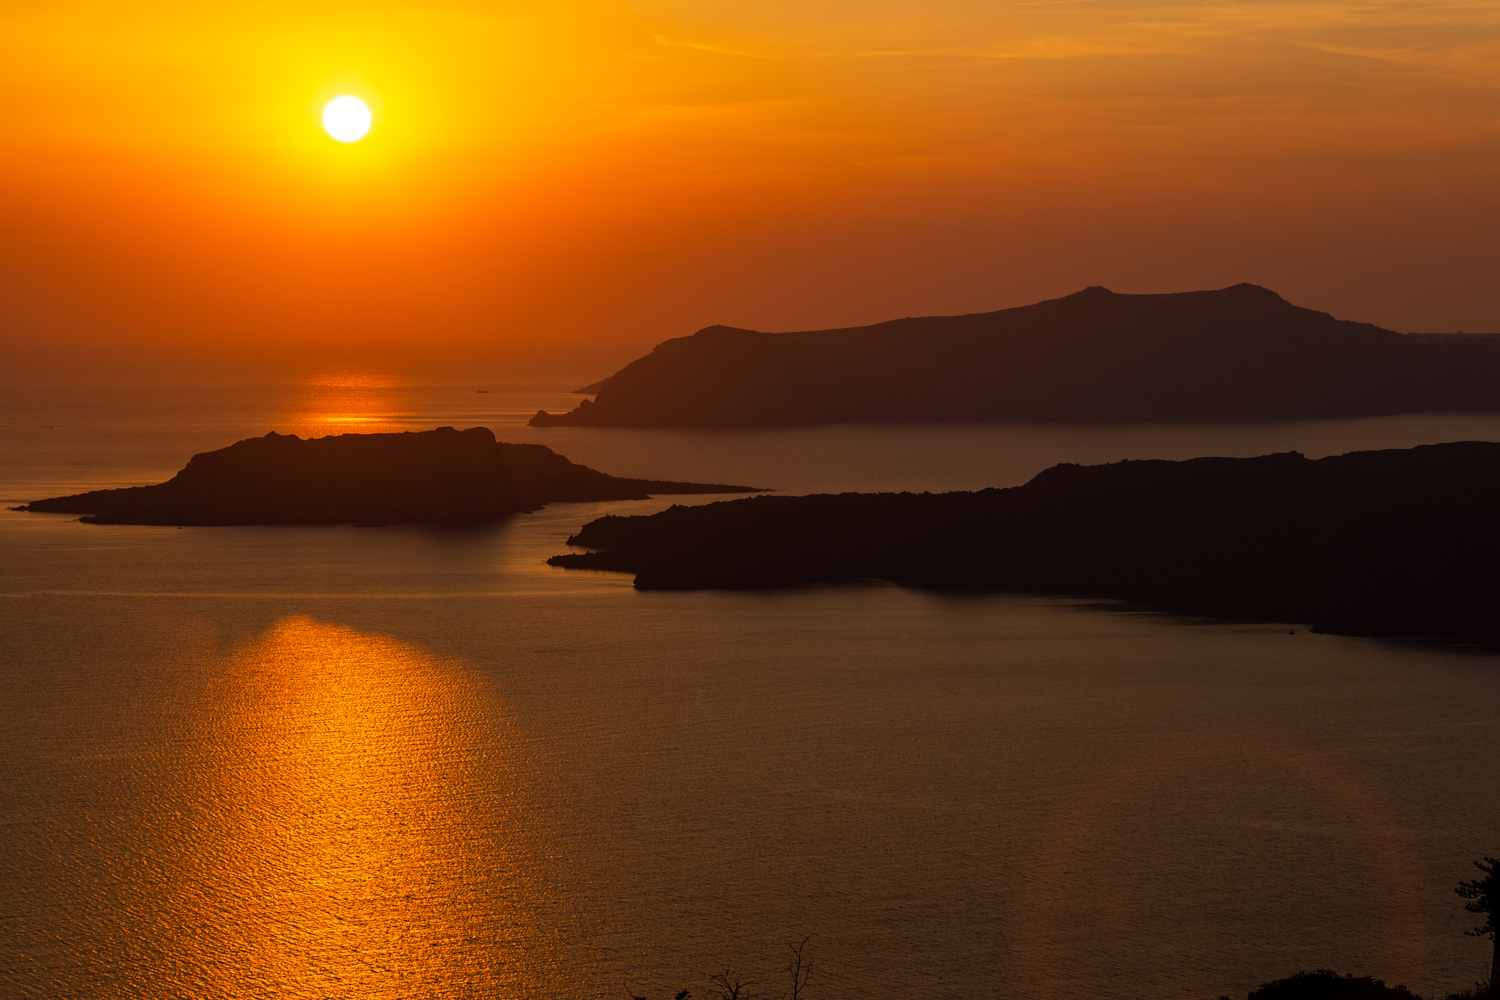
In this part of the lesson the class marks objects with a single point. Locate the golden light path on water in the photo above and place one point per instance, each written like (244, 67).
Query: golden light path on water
(345, 842)
(336, 762)
(345, 402)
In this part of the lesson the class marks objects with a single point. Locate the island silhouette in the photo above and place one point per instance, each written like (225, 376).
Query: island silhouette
(1240, 353)
(1375, 543)
(437, 476)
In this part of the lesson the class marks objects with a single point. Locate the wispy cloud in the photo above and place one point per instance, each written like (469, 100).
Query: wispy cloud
(722, 50)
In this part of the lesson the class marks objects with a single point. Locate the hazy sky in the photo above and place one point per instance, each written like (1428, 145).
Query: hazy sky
(551, 181)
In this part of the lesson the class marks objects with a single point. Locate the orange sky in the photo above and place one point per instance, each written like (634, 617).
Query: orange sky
(553, 182)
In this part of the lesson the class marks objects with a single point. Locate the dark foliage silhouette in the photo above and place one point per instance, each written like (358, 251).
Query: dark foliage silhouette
(1325, 984)
(1393, 543)
(1484, 898)
(680, 995)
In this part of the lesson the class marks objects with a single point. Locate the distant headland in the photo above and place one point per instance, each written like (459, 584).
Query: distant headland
(1378, 543)
(438, 476)
(1240, 353)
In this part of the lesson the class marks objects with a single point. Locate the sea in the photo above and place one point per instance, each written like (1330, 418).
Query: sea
(339, 762)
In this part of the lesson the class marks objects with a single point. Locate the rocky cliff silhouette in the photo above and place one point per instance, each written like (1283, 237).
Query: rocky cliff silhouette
(442, 475)
(1240, 353)
(1401, 542)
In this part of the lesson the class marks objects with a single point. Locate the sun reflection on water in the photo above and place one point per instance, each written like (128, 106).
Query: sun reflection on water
(354, 840)
(349, 401)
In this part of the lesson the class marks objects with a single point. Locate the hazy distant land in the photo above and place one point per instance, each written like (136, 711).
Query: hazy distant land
(1240, 353)
(442, 475)
(1392, 543)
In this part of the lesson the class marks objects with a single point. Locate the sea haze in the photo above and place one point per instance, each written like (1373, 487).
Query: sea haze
(343, 762)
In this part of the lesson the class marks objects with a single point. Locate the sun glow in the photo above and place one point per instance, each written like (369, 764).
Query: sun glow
(166, 168)
(347, 118)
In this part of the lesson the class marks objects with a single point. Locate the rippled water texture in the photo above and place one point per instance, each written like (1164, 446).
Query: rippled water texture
(339, 762)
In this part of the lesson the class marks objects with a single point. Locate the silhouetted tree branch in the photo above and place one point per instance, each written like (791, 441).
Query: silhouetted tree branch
(729, 985)
(732, 985)
(799, 968)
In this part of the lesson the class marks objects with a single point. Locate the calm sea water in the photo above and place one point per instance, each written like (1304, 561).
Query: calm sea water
(339, 762)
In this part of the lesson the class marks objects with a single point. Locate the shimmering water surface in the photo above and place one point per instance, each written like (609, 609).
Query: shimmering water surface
(404, 762)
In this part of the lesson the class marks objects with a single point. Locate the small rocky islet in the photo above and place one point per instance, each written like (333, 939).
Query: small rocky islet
(438, 476)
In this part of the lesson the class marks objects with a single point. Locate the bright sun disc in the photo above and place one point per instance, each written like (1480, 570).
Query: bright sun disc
(346, 118)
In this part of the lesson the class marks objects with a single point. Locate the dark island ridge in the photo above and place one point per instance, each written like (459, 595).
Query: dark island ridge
(437, 476)
(1240, 353)
(1378, 543)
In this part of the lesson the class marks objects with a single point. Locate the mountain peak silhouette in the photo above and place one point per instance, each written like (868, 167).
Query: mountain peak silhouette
(1236, 353)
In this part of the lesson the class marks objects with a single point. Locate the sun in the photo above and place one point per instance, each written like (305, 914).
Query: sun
(347, 118)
